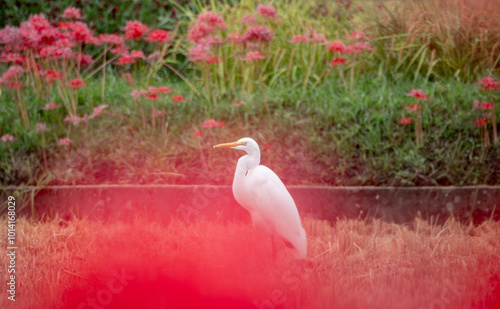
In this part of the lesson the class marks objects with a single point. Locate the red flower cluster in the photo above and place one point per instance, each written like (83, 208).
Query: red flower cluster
(211, 123)
(178, 98)
(488, 83)
(7, 138)
(50, 106)
(76, 84)
(481, 122)
(483, 105)
(413, 107)
(134, 30)
(130, 58)
(405, 121)
(302, 38)
(259, 34)
(159, 36)
(254, 56)
(266, 10)
(337, 61)
(64, 142)
(417, 94)
(72, 13)
(50, 75)
(152, 93)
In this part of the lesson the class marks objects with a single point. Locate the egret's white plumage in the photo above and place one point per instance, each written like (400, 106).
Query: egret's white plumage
(259, 190)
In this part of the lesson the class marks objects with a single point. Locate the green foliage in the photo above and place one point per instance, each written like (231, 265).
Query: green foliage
(104, 16)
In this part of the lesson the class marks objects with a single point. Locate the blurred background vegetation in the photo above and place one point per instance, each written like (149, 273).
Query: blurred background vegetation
(311, 128)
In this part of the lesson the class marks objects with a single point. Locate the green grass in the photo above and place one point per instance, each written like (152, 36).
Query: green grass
(322, 136)
(354, 264)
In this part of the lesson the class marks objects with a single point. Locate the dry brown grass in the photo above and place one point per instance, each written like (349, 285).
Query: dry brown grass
(442, 37)
(352, 264)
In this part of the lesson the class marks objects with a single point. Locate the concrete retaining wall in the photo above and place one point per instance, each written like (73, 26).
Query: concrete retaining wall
(163, 202)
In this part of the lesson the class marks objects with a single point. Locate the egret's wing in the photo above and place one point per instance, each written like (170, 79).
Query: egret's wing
(276, 206)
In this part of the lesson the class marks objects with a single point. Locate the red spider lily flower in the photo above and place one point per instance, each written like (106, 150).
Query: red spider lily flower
(137, 54)
(152, 96)
(237, 103)
(50, 106)
(413, 107)
(299, 38)
(213, 20)
(138, 93)
(85, 59)
(160, 113)
(483, 105)
(50, 75)
(14, 71)
(125, 59)
(337, 47)
(267, 147)
(111, 39)
(258, 34)
(80, 32)
(200, 53)
(211, 123)
(337, 61)
(249, 20)
(75, 120)
(198, 133)
(164, 90)
(404, 121)
(254, 56)
(12, 57)
(41, 126)
(266, 10)
(481, 122)
(159, 36)
(488, 83)
(358, 35)
(129, 58)
(54, 52)
(9, 36)
(199, 31)
(72, 13)
(98, 110)
(64, 142)
(7, 138)
(134, 30)
(234, 37)
(76, 84)
(417, 94)
(119, 50)
(153, 89)
(360, 46)
(318, 37)
(177, 98)
(14, 85)
(213, 60)
(64, 43)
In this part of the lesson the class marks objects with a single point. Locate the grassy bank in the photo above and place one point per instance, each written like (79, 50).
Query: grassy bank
(328, 103)
(322, 136)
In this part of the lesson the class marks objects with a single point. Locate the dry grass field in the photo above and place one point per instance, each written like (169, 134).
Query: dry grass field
(351, 264)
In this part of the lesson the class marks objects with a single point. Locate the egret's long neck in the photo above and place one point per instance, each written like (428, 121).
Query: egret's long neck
(249, 161)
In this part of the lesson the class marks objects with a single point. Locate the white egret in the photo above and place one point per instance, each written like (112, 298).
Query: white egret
(260, 191)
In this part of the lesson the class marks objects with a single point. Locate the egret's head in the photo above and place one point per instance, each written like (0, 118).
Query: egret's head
(246, 144)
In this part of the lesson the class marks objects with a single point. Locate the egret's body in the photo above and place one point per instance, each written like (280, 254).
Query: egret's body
(259, 190)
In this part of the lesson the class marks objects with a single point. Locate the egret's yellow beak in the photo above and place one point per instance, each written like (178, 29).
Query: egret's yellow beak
(230, 145)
